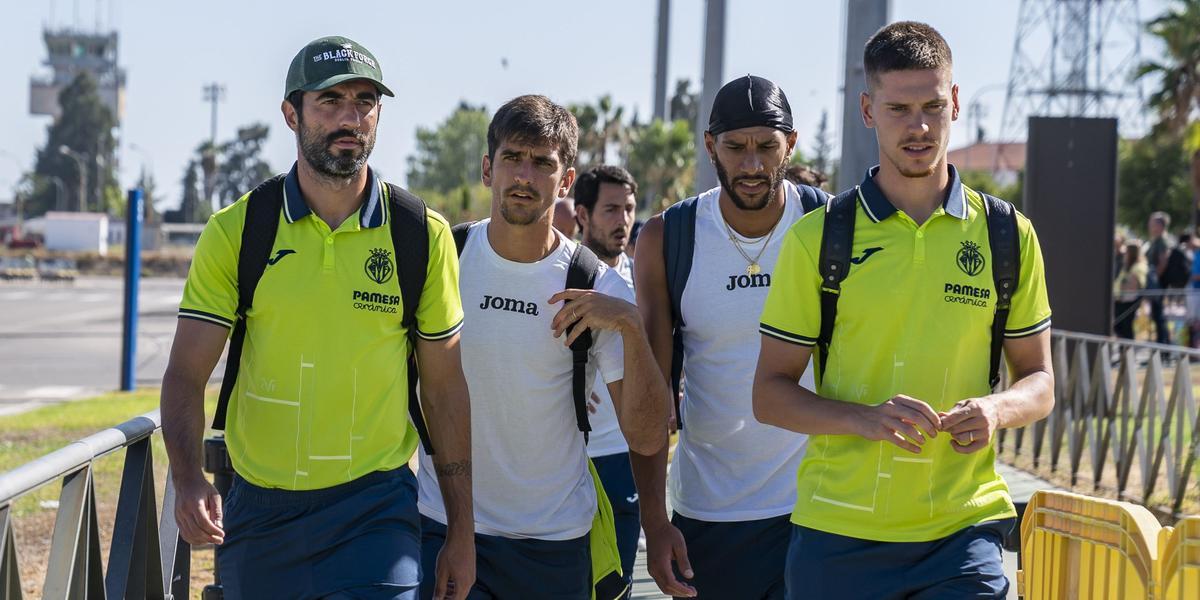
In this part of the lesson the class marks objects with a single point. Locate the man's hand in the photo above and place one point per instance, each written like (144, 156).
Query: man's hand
(903, 421)
(588, 309)
(665, 545)
(593, 403)
(971, 424)
(198, 512)
(455, 568)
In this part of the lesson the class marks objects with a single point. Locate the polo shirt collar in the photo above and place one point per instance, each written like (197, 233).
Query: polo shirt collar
(878, 207)
(371, 214)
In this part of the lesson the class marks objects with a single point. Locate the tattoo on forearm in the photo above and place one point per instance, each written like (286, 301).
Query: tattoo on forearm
(454, 469)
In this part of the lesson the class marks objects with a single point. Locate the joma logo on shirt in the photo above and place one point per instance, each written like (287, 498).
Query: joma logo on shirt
(749, 281)
(509, 304)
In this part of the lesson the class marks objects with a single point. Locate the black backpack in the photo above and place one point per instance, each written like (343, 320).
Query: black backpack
(410, 241)
(837, 242)
(679, 246)
(1178, 272)
(581, 275)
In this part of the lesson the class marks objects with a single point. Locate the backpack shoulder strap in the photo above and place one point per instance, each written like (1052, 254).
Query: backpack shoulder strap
(811, 198)
(460, 233)
(837, 240)
(581, 275)
(679, 245)
(409, 226)
(1005, 244)
(410, 239)
(258, 237)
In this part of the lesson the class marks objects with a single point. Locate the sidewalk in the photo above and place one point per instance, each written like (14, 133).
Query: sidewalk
(1021, 484)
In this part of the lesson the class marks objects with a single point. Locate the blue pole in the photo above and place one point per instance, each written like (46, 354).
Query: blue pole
(133, 269)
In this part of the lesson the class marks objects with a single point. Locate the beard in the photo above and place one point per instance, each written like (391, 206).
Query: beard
(344, 164)
(917, 172)
(773, 180)
(606, 247)
(526, 214)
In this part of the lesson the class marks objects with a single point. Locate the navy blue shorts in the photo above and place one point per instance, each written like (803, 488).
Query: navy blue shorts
(967, 564)
(507, 569)
(738, 559)
(356, 540)
(617, 477)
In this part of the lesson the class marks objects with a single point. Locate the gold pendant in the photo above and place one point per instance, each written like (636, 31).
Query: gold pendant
(753, 269)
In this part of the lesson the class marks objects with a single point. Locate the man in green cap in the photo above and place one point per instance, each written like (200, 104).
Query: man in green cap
(331, 281)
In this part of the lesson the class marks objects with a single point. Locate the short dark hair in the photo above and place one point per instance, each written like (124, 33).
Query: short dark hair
(535, 119)
(905, 46)
(587, 185)
(296, 99)
(805, 175)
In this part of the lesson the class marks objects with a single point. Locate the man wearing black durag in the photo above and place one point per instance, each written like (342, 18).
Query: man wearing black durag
(702, 272)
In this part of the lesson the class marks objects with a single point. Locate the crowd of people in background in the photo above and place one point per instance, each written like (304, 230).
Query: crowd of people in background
(1160, 275)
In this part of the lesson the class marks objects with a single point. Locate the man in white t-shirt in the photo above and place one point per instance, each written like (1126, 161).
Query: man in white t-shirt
(732, 479)
(605, 203)
(534, 496)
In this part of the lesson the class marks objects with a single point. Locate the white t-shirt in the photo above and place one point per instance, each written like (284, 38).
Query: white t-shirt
(728, 466)
(607, 437)
(530, 470)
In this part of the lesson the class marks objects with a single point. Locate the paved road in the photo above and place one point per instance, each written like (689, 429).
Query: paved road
(61, 341)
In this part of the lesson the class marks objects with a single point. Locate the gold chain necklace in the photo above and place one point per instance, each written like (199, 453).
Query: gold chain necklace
(753, 268)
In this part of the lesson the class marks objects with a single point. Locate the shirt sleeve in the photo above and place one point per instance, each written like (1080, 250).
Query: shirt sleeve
(1030, 312)
(440, 314)
(792, 312)
(210, 293)
(608, 350)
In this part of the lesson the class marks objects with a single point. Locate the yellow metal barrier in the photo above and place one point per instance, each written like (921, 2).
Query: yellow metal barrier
(1179, 560)
(1074, 546)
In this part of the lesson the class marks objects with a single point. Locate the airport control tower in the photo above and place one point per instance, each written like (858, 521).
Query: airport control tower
(70, 52)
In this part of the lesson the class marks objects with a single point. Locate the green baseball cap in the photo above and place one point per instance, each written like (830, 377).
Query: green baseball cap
(328, 61)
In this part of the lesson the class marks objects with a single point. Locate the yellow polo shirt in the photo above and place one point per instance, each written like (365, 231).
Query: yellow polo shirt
(322, 394)
(914, 318)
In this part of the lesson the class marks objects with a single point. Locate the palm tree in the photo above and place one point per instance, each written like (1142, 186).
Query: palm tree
(1177, 98)
(599, 125)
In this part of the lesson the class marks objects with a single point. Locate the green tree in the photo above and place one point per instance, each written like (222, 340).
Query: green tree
(449, 156)
(86, 128)
(1179, 92)
(241, 166)
(192, 207)
(662, 161)
(685, 104)
(822, 146)
(599, 126)
(468, 202)
(982, 181)
(1153, 175)
(150, 196)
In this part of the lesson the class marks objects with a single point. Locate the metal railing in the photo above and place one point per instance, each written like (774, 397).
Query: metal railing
(147, 558)
(1124, 419)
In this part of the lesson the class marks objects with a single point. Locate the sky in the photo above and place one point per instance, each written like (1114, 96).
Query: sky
(437, 53)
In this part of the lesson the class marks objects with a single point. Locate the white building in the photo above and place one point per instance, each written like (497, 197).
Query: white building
(75, 231)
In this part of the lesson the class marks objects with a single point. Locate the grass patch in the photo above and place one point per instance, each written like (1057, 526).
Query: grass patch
(28, 436)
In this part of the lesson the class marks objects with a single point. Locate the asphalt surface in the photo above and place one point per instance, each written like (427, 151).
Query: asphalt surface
(62, 341)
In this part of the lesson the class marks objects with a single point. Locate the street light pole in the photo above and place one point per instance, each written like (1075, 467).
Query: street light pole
(78, 158)
(60, 192)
